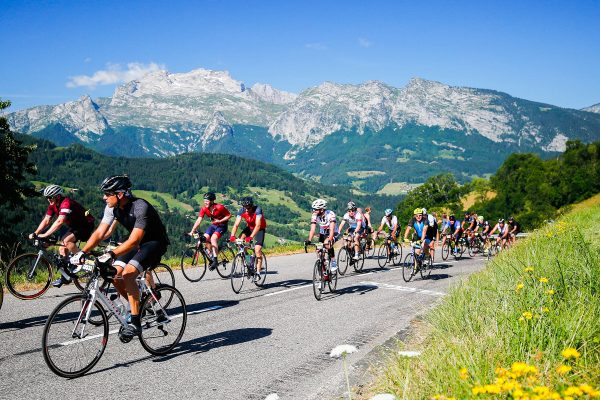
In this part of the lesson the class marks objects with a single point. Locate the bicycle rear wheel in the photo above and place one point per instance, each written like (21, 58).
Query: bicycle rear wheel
(263, 272)
(162, 275)
(360, 263)
(408, 267)
(343, 259)
(426, 268)
(238, 273)
(225, 258)
(397, 255)
(369, 249)
(193, 264)
(445, 251)
(28, 278)
(383, 255)
(318, 283)
(70, 356)
(332, 282)
(163, 322)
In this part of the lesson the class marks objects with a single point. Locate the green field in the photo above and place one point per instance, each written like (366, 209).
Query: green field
(169, 199)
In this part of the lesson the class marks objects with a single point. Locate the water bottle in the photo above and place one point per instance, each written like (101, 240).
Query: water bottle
(252, 261)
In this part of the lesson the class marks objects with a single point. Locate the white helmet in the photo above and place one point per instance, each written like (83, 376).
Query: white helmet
(319, 204)
(53, 191)
(351, 205)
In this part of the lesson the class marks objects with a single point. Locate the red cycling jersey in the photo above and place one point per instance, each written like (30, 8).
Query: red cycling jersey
(216, 212)
(250, 217)
(73, 211)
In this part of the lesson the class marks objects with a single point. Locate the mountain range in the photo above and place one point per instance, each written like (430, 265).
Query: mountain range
(372, 135)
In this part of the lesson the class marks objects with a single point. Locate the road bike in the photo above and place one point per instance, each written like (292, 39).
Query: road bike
(28, 276)
(416, 263)
(345, 256)
(195, 259)
(450, 246)
(322, 274)
(389, 252)
(77, 330)
(367, 245)
(244, 266)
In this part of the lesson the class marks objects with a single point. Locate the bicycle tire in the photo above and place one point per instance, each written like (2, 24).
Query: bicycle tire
(382, 255)
(360, 263)
(225, 258)
(162, 274)
(426, 268)
(238, 273)
(370, 252)
(17, 279)
(332, 282)
(263, 276)
(408, 267)
(81, 279)
(193, 264)
(1, 295)
(445, 251)
(62, 322)
(343, 259)
(163, 323)
(397, 255)
(318, 283)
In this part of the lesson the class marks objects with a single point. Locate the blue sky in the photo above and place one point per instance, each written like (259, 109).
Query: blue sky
(547, 51)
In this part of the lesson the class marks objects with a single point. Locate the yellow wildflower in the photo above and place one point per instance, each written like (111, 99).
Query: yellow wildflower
(587, 389)
(529, 269)
(501, 371)
(541, 390)
(519, 287)
(521, 368)
(527, 315)
(550, 292)
(570, 353)
(544, 279)
(563, 369)
(573, 391)
(464, 374)
(545, 309)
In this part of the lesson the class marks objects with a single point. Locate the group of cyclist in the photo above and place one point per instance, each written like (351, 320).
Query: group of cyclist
(148, 239)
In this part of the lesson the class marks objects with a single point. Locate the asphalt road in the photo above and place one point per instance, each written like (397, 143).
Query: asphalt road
(246, 346)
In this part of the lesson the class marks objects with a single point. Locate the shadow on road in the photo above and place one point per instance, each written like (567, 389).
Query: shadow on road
(288, 283)
(437, 277)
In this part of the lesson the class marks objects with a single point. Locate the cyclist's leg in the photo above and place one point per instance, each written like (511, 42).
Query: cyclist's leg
(259, 241)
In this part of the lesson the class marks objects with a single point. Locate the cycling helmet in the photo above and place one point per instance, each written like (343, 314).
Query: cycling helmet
(319, 204)
(501, 221)
(116, 183)
(351, 206)
(424, 211)
(53, 191)
(418, 211)
(388, 212)
(480, 219)
(511, 219)
(247, 201)
(452, 218)
(210, 196)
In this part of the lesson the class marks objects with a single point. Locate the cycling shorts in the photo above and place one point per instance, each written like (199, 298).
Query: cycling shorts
(144, 257)
(80, 232)
(218, 230)
(356, 231)
(259, 239)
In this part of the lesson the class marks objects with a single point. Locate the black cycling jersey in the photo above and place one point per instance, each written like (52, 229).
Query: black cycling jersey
(513, 225)
(138, 213)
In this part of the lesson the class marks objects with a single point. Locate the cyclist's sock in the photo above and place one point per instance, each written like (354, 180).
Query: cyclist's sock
(135, 320)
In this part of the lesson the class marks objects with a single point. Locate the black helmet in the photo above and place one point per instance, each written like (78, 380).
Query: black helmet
(452, 218)
(210, 196)
(247, 201)
(116, 183)
(511, 219)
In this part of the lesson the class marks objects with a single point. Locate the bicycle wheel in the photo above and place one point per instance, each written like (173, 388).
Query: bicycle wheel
(193, 264)
(81, 279)
(225, 258)
(369, 250)
(383, 255)
(471, 248)
(360, 263)
(445, 251)
(426, 268)
(318, 283)
(408, 267)
(72, 346)
(332, 282)
(343, 259)
(263, 272)
(163, 323)
(162, 275)
(28, 276)
(1, 295)
(462, 246)
(397, 255)
(238, 273)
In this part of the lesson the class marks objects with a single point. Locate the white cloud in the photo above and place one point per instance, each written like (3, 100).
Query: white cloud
(87, 60)
(362, 42)
(113, 74)
(316, 46)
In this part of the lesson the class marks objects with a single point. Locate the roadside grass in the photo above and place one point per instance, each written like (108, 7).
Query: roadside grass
(502, 334)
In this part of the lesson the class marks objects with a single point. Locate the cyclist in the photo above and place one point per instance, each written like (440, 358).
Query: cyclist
(390, 221)
(433, 233)
(256, 225)
(456, 230)
(484, 236)
(146, 244)
(514, 228)
(421, 225)
(71, 214)
(219, 215)
(356, 226)
(503, 232)
(326, 221)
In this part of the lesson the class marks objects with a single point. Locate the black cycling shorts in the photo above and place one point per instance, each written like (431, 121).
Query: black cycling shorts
(259, 239)
(144, 257)
(81, 233)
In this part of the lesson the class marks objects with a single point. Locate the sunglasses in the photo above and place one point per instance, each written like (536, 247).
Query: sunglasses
(108, 194)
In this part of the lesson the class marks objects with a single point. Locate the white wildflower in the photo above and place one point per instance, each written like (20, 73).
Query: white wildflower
(342, 350)
(384, 396)
(272, 396)
(409, 353)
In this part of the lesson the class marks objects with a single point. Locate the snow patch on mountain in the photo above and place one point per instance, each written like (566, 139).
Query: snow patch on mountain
(595, 108)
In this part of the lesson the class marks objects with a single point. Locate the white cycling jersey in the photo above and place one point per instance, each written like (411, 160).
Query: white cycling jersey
(353, 222)
(390, 224)
(324, 221)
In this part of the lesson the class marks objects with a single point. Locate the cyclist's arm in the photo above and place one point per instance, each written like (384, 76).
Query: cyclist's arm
(406, 233)
(424, 235)
(342, 224)
(196, 225)
(238, 219)
(132, 242)
(395, 231)
(111, 230)
(222, 220)
(331, 231)
(97, 236)
(55, 226)
(45, 222)
(379, 229)
(256, 226)
(311, 234)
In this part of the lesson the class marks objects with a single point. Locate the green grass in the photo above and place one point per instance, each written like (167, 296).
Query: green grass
(169, 199)
(484, 323)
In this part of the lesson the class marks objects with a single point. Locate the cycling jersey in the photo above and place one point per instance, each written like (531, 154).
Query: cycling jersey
(433, 226)
(390, 224)
(513, 225)
(215, 212)
(419, 227)
(354, 221)
(138, 213)
(486, 227)
(324, 220)
(74, 214)
(250, 218)
(453, 226)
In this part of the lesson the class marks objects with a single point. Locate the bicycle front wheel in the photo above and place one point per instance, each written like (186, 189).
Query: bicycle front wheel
(343, 259)
(318, 283)
(238, 273)
(360, 263)
(263, 272)
(408, 267)
(397, 255)
(163, 318)
(70, 344)
(332, 282)
(193, 264)
(445, 251)
(162, 275)
(426, 268)
(225, 258)
(28, 276)
(383, 255)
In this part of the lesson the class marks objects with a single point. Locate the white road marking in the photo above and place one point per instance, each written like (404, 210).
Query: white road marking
(287, 290)
(402, 288)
